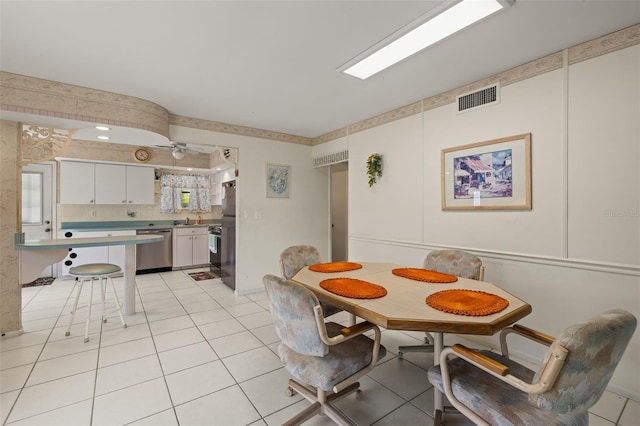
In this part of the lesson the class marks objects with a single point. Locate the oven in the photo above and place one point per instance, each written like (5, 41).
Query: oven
(215, 248)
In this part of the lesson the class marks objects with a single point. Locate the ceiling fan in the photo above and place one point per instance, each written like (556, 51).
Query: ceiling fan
(178, 149)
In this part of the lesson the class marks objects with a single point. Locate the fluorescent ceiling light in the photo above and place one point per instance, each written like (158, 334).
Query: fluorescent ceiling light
(103, 128)
(427, 30)
(105, 138)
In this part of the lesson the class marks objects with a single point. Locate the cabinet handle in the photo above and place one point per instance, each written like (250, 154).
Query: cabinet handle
(91, 201)
(130, 201)
(124, 202)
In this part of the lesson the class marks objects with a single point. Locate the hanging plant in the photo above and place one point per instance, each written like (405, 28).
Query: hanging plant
(374, 168)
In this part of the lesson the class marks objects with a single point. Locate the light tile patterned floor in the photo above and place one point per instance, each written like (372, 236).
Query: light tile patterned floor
(193, 354)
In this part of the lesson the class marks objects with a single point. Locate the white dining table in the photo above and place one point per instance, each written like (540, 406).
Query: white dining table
(404, 306)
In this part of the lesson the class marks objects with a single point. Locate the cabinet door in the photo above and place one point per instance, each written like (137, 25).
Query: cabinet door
(140, 187)
(183, 254)
(77, 183)
(83, 255)
(111, 184)
(200, 249)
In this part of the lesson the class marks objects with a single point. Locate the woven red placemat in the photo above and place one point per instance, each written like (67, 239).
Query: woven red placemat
(353, 288)
(424, 275)
(335, 267)
(467, 302)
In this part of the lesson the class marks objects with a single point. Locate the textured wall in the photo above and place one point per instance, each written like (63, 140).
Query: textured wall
(10, 289)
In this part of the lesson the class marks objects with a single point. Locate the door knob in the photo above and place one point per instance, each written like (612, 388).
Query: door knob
(47, 230)
(46, 222)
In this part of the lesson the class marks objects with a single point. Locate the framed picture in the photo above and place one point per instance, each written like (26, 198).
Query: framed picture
(491, 175)
(278, 181)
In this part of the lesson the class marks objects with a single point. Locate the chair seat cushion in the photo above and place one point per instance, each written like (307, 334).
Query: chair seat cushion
(342, 361)
(94, 269)
(496, 401)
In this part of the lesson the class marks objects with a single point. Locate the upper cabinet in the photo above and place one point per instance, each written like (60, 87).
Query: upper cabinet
(97, 183)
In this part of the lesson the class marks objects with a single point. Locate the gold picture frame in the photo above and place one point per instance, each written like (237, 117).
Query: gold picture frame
(490, 175)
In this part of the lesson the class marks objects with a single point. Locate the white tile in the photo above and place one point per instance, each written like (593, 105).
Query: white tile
(253, 363)
(599, 421)
(401, 377)
(159, 314)
(209, 316)
(609, 406)
(198, 381)
(267, 392)
(267, 334)
(230, 299)
(37, 325)
(234, 343)
(220, 328)
(374, 403)
(21, 356)
(171, 324)
(78, 414)
(121, 335)
(186, 357)
(259, 319)
(126, 351)
(69, 365)
(631, 414)
(177, 339)
(230, 405)
(131, 403)
(6, 402)
(200, 306)
(121, 375)
(14, 378)
(24, 340)
(244, 309)
(47, 396)
(164, 418)
(68, 345)
(280, 417)
(407, 414)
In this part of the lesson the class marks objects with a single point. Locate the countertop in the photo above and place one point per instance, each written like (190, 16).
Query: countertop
(65, 243)
(130, 225)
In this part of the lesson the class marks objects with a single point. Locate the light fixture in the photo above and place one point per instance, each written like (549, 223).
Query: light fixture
(103, 128)
(437, 24)
(177, 154)
(104, 138)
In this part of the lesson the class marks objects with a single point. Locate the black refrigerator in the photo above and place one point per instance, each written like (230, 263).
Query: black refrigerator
(228, 235)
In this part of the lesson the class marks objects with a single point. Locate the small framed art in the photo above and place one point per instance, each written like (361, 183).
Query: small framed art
(278, 181)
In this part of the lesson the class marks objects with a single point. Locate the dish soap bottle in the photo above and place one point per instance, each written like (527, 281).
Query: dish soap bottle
(199, 220)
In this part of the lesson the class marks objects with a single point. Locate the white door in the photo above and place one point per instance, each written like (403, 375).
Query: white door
(38, 201)
(339, 212)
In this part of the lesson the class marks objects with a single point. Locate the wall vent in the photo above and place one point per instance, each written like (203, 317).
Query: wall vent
(327, 160)
(480, 98)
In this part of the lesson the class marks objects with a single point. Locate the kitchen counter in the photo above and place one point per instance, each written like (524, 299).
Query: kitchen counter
(129, 225)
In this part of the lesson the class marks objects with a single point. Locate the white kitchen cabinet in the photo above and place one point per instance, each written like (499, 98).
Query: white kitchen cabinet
(190, 247)
(99, 183)
(77, 183)
(103, 254)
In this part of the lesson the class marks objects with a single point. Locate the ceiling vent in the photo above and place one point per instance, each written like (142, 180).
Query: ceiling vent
(327, 160)
(480, 98)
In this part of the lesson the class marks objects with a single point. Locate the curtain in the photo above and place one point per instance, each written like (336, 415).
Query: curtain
(172, 187)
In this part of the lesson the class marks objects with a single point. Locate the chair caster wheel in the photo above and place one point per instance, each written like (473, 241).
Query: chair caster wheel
(400, 355)
(124, 326)
(104, 320)
(288, 391)
(358, 393)
(86, 340)
(67, 333)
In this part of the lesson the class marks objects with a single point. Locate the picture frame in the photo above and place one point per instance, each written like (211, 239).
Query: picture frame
(490, 175)
(278, 180)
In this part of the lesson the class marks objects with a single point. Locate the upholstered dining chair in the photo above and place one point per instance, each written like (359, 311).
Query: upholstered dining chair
(491, 389)
(454, 262)
(294, 258)
(325, 356)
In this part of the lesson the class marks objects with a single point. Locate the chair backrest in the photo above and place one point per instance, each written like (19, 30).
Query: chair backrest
(292, 311)
(455, 262)
(294, 258)
(595, 347)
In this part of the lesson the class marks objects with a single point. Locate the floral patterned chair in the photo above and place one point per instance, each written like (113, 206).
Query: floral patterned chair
(325, 356)
(294, 258)
(454, 262)
(491, 389)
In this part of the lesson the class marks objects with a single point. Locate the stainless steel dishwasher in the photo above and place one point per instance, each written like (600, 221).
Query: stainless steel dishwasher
(155, 257)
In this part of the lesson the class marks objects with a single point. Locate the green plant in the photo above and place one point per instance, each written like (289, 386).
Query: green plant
(374, 168)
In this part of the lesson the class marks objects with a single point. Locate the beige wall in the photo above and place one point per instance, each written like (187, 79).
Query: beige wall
(10, 290)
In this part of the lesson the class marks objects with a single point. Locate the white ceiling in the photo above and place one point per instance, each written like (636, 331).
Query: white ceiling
(272, 64)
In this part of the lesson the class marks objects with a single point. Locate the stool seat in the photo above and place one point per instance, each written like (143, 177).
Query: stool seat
(94, 269)
(88, 273)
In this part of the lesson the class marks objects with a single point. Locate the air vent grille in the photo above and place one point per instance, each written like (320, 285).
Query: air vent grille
(486, 96)
(338, 157)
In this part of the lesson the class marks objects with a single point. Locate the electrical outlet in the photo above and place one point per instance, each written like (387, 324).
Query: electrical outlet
(93, 213)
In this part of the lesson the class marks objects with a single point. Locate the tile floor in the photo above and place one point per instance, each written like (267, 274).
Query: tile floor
(193, 354)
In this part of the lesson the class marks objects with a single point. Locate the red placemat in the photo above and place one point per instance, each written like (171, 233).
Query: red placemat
(335, 267)
(353, 288)
(467, 302)
(424, 275)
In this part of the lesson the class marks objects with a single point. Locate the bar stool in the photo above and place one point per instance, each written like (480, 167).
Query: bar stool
(90, 272)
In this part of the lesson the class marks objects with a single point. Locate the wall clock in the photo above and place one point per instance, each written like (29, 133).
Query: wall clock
(142, 155)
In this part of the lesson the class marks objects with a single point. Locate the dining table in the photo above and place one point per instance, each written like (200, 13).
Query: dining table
(404, 305)
(36, 255)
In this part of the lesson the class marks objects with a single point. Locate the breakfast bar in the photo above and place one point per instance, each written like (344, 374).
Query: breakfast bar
(38, 254)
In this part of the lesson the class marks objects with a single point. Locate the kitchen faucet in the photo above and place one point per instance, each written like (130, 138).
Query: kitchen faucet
(186, 221)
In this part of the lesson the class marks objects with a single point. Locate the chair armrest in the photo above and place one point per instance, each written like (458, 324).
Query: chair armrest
(526, 332)
(481, 359)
